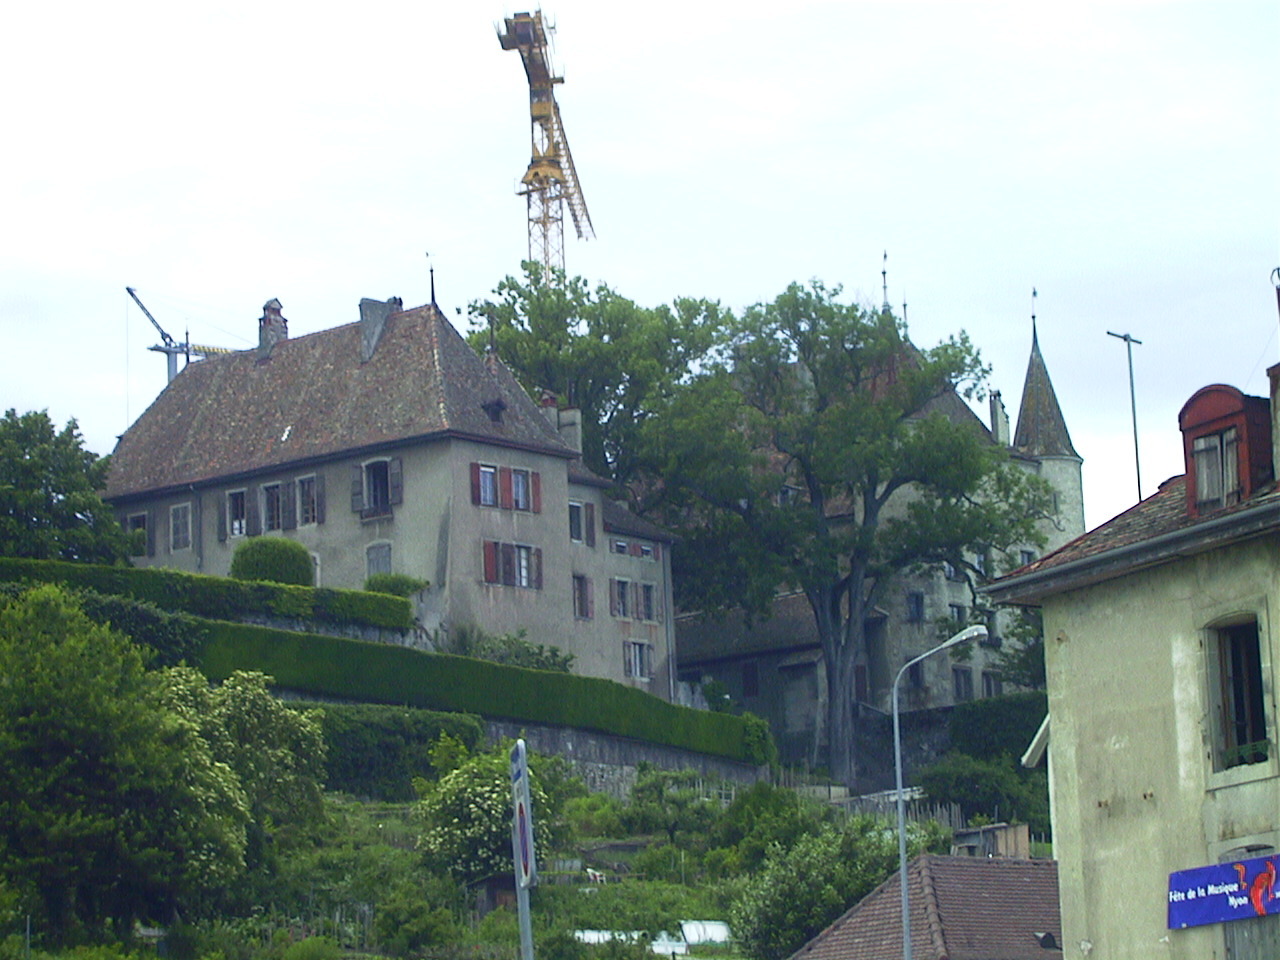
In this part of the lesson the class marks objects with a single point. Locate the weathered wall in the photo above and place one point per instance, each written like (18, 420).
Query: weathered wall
(1134, 792)
(609, 764)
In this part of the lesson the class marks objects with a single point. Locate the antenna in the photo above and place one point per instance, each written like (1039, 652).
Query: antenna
(1133, 403)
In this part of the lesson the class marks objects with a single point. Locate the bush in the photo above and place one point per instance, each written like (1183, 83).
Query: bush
(276, 559)
(997, 726)
(313, 948)
(396, 584)
(996, 788)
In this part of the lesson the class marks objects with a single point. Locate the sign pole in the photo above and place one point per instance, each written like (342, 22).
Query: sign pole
(522, 852)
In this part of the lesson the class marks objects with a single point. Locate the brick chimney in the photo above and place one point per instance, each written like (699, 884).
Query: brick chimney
(272, 328)
(999, 419)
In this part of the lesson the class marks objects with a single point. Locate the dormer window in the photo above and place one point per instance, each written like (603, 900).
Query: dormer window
(494, 409)
(1217, 472)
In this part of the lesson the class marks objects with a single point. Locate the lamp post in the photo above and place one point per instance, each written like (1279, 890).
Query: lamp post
(969, 633)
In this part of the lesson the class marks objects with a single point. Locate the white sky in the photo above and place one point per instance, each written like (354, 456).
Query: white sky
(1120, 156)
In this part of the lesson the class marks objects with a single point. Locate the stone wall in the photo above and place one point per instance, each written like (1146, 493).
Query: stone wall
(608, 764)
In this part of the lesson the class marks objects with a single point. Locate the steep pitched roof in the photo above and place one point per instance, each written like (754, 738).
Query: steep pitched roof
(1042, 430)
(314, 398)
(962, 908)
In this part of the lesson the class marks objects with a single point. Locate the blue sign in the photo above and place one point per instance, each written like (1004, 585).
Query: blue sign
(1225, 891)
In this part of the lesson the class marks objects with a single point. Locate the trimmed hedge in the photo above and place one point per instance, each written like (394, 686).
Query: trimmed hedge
(276, 559)
(219, 598)
(998, 726)
(384, 673)
(376, 751)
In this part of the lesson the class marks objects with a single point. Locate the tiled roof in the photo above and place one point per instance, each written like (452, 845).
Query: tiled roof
(1137, 537)
(962, 908)
(1042, 430)
(618, 519)
(313, 399)
(702, 638)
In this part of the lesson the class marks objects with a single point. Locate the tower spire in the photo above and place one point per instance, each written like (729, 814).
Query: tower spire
(884, 282)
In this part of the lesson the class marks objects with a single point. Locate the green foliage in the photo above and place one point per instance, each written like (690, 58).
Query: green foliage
(312, 948)
(114, 806)
(801, 889)
(396, 584)
(760, 818)
(406, 923)
(674, 802)
(173, 637)
(49, 503)
(594, 815)
(1021, 661)
(467, 818)
(323, 666)
(509, 648)
(997, 788)
(220, 598)
(831, 405)
(276, 559)
(632, 905)
(276, 752)
(376, 750)
(997, 726)
(599, 352)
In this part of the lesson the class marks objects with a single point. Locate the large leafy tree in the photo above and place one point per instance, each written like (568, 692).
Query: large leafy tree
(49, 503)
(828, 455)
(113, 807)
(598, 351)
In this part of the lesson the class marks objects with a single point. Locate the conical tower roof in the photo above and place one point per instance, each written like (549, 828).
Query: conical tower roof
(1042, 430)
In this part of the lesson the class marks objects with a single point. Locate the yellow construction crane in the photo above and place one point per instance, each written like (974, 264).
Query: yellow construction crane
(551, 180)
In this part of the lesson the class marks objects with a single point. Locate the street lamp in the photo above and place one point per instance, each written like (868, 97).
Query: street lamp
(969, 633)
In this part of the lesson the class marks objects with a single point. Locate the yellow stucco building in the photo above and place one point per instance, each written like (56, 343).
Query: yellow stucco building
(1163, 660)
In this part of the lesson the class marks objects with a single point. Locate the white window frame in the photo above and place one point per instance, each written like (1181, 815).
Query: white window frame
(1215, 459)
(637, 660)
(575, 509)
(179, 544)
(524, 566)
(373, 508)
(378, 545)
(488, 485)
(270, 492)
(621, 547)
(581, 596)
(622, 598)
(648, 603)
(521, 490)
(303, 483)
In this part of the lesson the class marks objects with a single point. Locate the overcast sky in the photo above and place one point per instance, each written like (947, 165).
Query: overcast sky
(1120, 157)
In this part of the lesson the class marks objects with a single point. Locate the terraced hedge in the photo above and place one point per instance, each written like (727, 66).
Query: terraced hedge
(384, 673)
(219, 598)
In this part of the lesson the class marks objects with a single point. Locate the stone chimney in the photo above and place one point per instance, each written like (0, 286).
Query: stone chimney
(272, 328)
(569, 423)
(373, 318)
(549, 404)
(999, 420)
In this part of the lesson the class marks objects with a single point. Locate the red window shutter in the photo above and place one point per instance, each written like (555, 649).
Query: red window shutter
(657, 551)
(589, 523)
(504, 487)
(357, 488)
(535, 483)
(591, 600)
(537, 568)
(490, 562)
(475, 483)
(637, 611)
(634, 549)
(222, 519)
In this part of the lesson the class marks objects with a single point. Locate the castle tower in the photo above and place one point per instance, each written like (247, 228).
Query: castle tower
(1043, 443)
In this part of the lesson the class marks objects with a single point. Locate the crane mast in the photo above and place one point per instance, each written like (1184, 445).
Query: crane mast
(550, 180)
